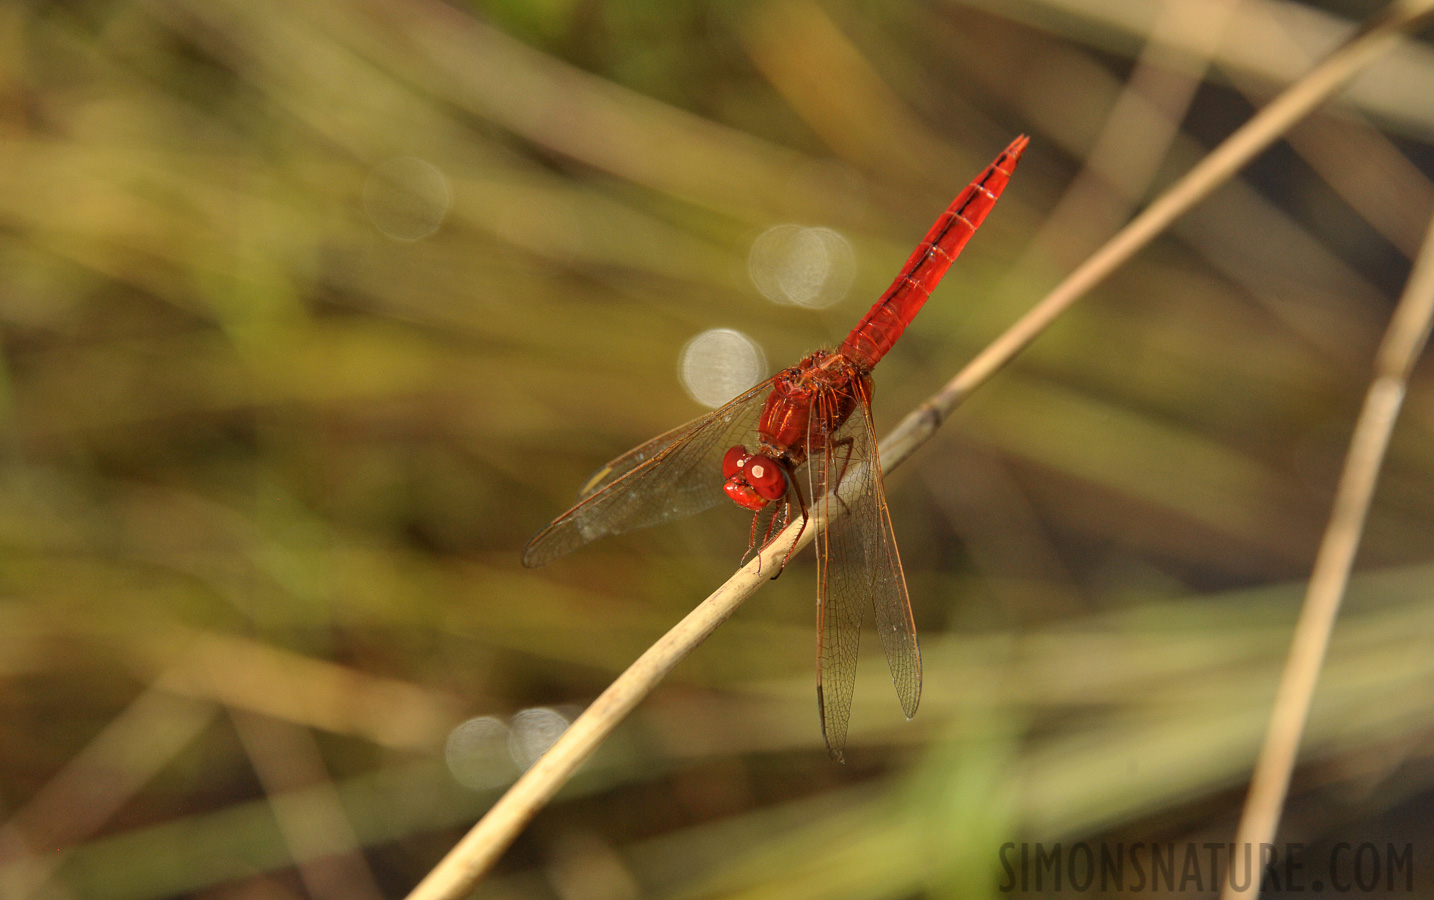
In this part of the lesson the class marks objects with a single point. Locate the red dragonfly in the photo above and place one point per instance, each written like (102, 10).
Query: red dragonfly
(814, 444)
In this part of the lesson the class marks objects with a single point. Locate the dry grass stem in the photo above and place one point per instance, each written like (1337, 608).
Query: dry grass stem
(1408, 331)
(456, 874)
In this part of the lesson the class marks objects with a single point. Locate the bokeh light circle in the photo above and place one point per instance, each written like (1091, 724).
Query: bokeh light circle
(407, 198)
(719, 364)
(477, 754)
(533, 732)
(810, 267)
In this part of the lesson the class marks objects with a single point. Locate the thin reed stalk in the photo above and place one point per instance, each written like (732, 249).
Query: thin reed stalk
(461, 868)
(1408, 331)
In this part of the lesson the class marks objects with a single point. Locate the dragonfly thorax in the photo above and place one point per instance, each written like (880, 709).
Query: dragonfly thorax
(752, 481)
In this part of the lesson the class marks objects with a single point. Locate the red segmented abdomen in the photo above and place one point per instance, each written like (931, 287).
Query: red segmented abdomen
(874, 335)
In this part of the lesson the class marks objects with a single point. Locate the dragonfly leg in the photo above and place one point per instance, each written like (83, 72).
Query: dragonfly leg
(755, 545)
(793, 548)
(752, 538)
(780, 517)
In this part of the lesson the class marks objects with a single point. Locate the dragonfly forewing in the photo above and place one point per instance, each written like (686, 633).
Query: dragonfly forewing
(672, 476)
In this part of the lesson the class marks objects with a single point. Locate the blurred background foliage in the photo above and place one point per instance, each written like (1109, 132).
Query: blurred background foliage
(311, 313)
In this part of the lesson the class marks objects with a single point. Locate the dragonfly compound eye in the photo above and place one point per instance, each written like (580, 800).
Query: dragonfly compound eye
(752, 481)
(767, 478)
(735, 460)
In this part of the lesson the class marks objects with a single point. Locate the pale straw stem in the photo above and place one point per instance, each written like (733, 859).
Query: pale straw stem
(1408, 331)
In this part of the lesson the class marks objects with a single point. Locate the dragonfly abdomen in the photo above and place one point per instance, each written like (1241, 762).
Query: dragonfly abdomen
(875, 334)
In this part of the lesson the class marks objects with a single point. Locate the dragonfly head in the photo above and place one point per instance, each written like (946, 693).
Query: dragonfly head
(753, 481)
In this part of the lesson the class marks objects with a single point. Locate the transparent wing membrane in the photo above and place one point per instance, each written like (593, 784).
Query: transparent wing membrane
(672, 476)
(856, 560)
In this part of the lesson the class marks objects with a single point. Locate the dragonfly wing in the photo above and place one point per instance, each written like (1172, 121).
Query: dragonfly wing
(674, 475)
(857, 563)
